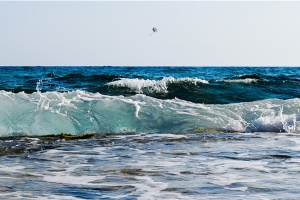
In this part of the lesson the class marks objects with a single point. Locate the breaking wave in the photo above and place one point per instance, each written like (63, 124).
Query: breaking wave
(79, 112)
(141, 86)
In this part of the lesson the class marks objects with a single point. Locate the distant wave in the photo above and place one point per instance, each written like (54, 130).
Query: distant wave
(248, 76)
(154, 86)
(209, 85)
(246, 80)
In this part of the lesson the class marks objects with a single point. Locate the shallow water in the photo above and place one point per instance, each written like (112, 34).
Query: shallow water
(153, 166)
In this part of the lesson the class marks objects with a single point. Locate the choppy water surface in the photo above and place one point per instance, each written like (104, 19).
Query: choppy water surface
(209, 85)
(159, 132)
(152, 166)
(77, 100)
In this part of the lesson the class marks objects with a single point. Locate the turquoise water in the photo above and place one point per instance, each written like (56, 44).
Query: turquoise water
(160, 132)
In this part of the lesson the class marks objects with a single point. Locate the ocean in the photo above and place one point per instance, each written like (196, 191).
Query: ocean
(149, 132)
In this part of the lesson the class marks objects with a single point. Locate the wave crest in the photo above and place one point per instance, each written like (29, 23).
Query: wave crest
(246, 80)
(141, 86)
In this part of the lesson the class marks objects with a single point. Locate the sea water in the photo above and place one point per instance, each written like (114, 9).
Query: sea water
(157, 132)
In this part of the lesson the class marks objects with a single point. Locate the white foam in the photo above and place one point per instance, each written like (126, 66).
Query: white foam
(26, 195)
(237, 188)
(246, 80)
(153, 86)
(75, 180)
(150, 189)
(59, 152)
(11, 168)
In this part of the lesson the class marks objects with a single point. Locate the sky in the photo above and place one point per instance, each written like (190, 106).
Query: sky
(119, 33)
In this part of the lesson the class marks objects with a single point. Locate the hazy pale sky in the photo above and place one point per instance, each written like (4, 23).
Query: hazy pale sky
(119, 33)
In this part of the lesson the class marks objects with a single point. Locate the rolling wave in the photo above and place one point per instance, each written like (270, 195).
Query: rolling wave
(79, 112)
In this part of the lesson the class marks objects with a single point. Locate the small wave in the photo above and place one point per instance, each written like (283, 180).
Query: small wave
(154, 86)
(248, 76)
(246, 80)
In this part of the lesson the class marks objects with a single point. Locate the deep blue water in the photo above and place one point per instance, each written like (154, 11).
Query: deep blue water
(225, 84)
